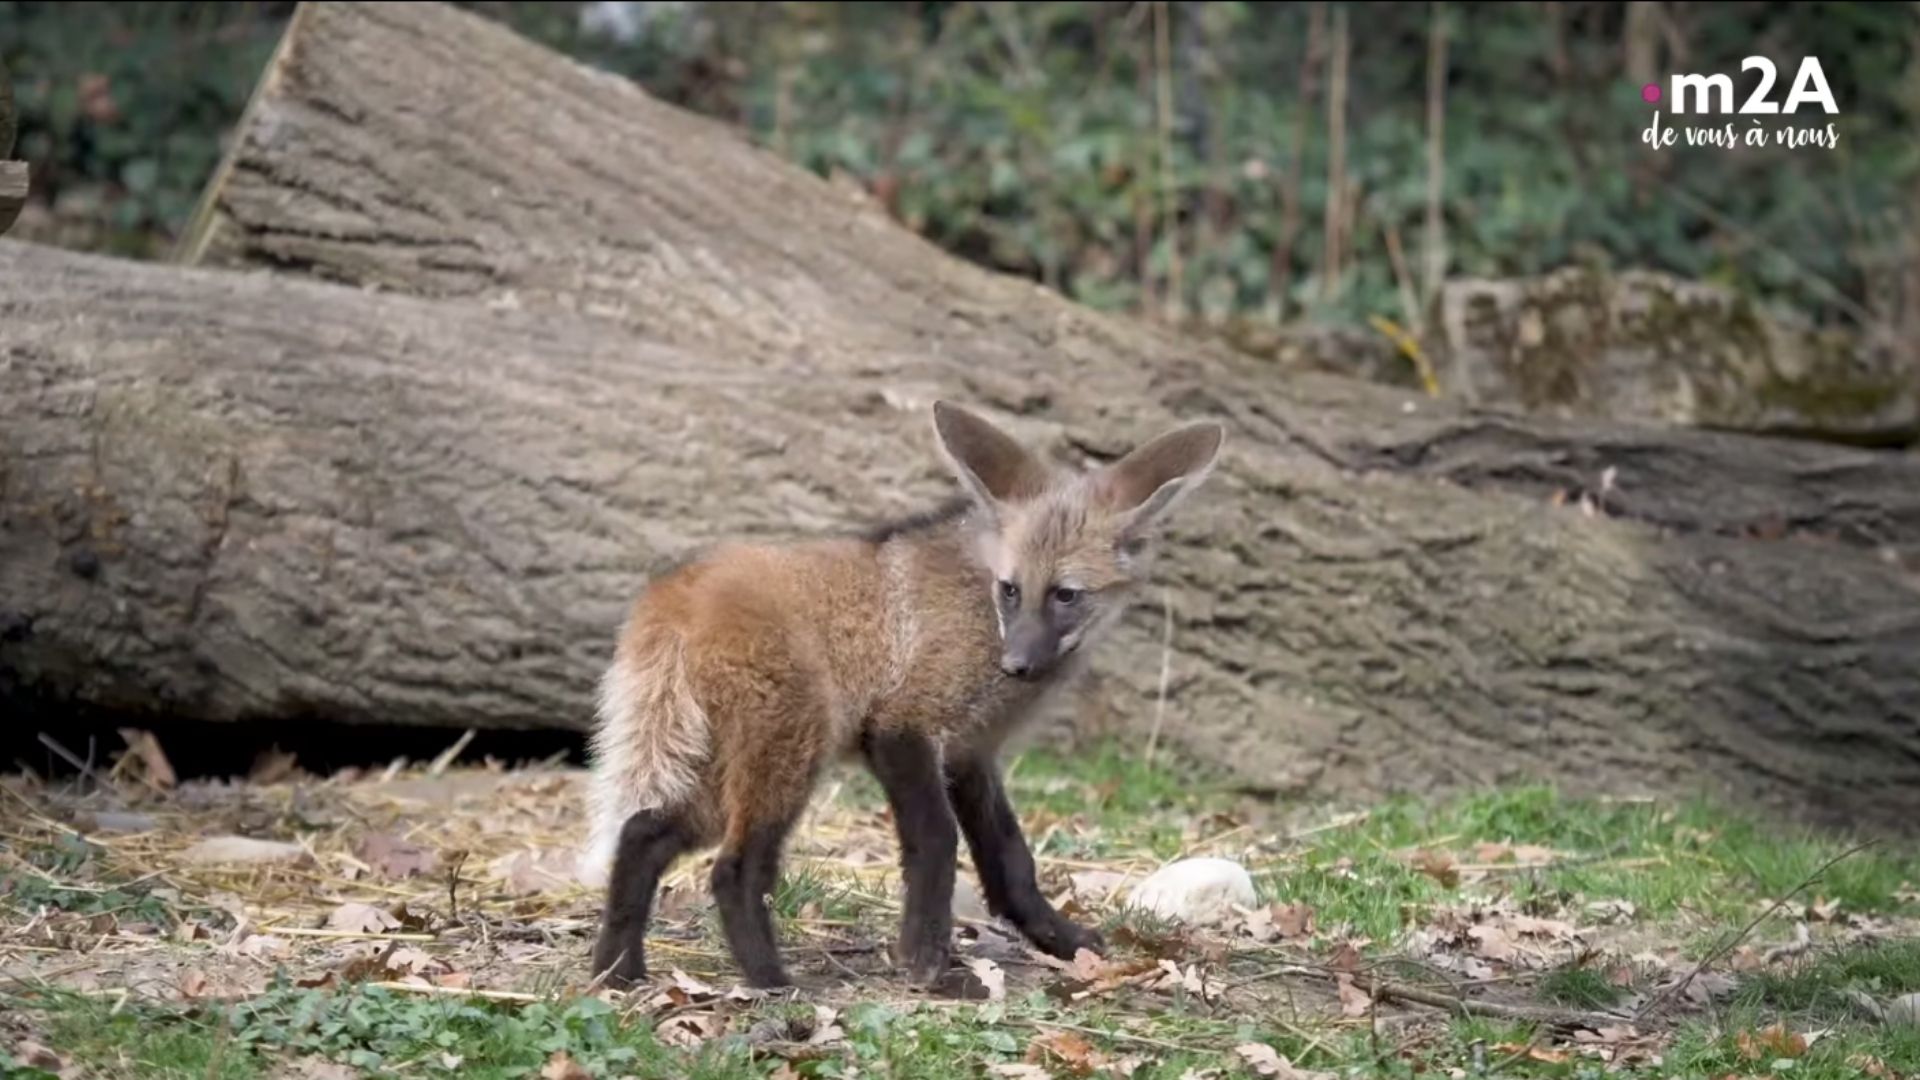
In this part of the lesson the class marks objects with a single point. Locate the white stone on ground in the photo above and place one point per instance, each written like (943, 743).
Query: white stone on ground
(1196, 891)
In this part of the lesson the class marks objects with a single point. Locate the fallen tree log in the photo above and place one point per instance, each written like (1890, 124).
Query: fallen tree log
(648, 334)
(251, 498)
(13, 174)
(370, 154)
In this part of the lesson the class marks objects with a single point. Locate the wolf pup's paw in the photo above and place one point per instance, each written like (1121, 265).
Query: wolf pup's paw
(926, 962)
(1061, 938)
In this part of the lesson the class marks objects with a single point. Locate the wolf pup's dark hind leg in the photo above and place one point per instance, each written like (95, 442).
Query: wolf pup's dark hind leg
(1004, 862)
(909, 770)
(743, 875)
(649, 842)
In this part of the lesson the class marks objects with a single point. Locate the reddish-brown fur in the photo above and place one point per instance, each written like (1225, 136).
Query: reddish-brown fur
(740, 675)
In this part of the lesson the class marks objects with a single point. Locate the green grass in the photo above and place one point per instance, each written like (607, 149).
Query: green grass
(367, 1029)
(24, 892)
(1662, 858)
(1821, 985)
(1693, 872)
(809, 892)
(1708, 1052)
(1578, 986)
(387, 1035)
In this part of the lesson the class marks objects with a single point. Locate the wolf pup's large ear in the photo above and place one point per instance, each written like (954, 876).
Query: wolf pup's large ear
(994, 467)
(1151, 481)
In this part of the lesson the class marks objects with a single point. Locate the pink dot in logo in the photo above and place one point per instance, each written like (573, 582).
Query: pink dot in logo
(1650, 93)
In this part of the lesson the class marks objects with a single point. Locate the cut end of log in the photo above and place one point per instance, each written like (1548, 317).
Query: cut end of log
(13, 192)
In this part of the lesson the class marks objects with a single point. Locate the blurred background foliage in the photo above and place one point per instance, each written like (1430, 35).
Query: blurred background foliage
(1224, 161)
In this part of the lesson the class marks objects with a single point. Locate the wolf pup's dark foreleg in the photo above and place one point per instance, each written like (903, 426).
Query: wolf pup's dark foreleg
(1005, 864)
(649, 842)
(908, 768)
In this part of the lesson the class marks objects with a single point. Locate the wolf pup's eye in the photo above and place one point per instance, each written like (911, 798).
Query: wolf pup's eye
(1009, 590)
(1066, 595)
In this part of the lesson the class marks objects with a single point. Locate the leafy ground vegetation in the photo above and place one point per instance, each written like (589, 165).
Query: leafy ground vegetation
(422, 920)
(1218, 159)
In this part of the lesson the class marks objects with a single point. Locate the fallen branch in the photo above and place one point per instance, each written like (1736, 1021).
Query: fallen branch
(1567, 1019)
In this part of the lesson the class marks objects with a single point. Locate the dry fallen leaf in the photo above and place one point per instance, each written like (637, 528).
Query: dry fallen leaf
(1542, 1054)
(1872, 1066)
(1612, 911)
(691, 986)
(1019, 1070)
(990, 976)
(1353, 1000)
(272, 766)
(1277, 922)
(826, 1029)
(1437, 865)
(689, 1030)
(414, 962)
(1346, 956)
(532, 872)
(1066, 1049)
(1492, 942)
(1264, 1060)
(146, 749)
(193, 984)
(265, 946)
(1532, 926)
(1770, 1043)
(35, 1056)
(1095, 886)
(357, 918)
(562, 1067)
(395, 858)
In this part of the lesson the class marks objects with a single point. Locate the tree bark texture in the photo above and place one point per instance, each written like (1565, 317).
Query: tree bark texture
(13, 174)
(249, 496)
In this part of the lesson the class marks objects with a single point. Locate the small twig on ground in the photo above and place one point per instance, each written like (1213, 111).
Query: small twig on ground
(838, 963)
(1802, 941)
(85, 767)
(1746, 931)
(606, 973)
(446, 756)
(1340, 822)
(1558, 1018)
(453, 886)
(1270, 974)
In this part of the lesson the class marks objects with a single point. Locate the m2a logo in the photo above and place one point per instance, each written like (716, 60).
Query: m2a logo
(1714, 93)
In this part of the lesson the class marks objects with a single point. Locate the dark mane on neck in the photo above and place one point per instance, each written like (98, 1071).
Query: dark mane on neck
(945, 514)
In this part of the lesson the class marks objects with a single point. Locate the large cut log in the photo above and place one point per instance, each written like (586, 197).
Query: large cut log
(1377, 593)
(250, 497)
(13, 174)
(371, 153)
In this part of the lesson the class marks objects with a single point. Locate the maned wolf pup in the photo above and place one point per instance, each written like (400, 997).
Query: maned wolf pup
(921, 645)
